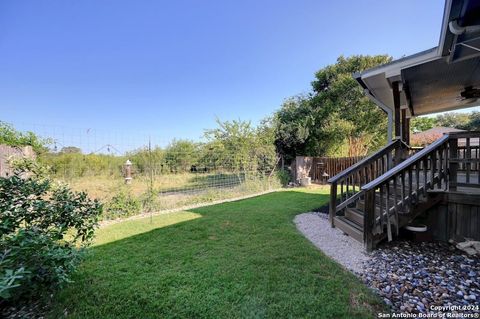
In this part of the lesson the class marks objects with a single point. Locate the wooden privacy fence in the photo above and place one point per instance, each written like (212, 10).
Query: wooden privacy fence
(319, 167)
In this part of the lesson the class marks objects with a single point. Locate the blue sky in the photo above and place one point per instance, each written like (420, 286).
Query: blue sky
(171, 67)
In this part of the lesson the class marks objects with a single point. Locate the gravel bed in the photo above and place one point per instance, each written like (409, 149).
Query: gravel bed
(344, 249)
(411, 277)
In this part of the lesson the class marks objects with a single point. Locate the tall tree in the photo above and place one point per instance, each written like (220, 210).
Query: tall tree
(240, 146)
(336, 118)
(456, 120)
(420, 124)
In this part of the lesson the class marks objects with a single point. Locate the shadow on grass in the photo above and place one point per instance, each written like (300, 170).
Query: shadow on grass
(237, 259)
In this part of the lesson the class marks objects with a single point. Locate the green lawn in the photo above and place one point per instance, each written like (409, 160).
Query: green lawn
(241, 259)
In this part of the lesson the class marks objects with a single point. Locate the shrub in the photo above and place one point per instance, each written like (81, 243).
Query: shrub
(123, 204)
(44, 228)
(284, 177)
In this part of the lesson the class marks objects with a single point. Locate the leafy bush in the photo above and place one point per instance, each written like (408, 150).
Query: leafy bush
(43, 230)
(123, 204)
(284, 177)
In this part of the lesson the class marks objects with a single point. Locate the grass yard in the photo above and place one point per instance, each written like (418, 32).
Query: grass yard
(241, 259)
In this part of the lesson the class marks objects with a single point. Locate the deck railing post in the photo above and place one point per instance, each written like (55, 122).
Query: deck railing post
(332, 211)
(452, 166)
(369, 219)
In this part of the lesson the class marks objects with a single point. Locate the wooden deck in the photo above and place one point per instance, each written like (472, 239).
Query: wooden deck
(377, 196)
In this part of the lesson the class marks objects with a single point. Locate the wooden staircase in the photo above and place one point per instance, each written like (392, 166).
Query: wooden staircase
(351, 223)
(373, 199)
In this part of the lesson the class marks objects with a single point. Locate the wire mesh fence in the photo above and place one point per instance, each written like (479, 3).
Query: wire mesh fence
(164, 174)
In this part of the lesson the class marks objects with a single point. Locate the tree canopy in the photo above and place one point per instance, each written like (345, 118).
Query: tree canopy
(420, 124)
(464, 121)
(336, 118)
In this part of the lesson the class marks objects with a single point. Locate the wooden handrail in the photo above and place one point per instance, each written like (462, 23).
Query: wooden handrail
(405, 164)
(393, 144)
(467, 134)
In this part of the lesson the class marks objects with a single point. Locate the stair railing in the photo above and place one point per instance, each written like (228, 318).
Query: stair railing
(345, 187)
(464, 159)
(398, 189)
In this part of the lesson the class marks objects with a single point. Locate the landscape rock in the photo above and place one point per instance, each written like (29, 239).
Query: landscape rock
(409, 276)
(426, 273)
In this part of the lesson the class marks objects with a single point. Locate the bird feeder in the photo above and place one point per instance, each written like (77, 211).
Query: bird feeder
(128, 172)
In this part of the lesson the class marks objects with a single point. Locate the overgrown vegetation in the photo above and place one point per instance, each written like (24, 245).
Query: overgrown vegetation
(122, 204)
(12, 137)
(44, 227)
(234, 146)
(235, 159)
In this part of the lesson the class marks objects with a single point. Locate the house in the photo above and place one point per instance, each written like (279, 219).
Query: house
(437, 131)
(387, 190)
(431, 135)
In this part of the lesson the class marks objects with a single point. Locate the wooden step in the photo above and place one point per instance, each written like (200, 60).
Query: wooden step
(361, 202)
(349, 227)
(355, 215)
(361, 206)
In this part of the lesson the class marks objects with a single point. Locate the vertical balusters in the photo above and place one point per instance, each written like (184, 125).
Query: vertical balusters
(403, 193)
(369, 219)
(453, 166)
(389, 160)
(341, 191)
(395, 201)
(347, 183)
(387, 209)
(381, 206)
(468, 157)
(410, 187)
(477, 156)
(333, 203)
(440, 167)
(417, 181)
(425, 175)
(383, 170)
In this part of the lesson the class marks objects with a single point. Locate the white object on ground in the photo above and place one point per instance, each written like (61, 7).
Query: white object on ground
(306, 181)
(344, 249)
(416, 228)
(471, 247)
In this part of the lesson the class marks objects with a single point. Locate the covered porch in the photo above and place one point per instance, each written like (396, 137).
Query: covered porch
(384, 192)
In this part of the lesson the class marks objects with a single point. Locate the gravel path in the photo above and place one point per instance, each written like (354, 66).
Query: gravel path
(345, 250)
